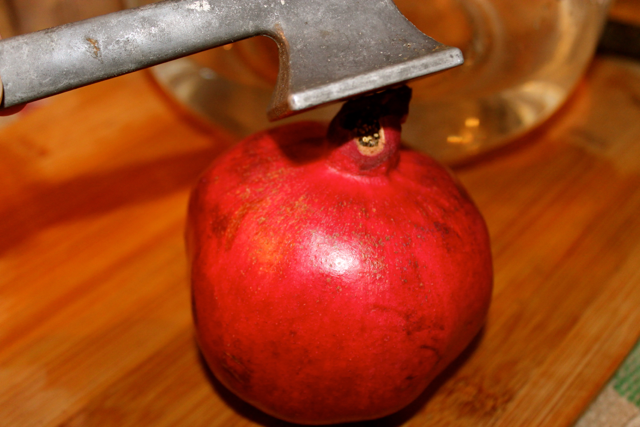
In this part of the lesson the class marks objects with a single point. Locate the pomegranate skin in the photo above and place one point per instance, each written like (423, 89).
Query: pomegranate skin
(330, 288)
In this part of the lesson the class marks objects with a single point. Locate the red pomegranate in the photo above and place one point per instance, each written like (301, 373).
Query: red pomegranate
(334, 272)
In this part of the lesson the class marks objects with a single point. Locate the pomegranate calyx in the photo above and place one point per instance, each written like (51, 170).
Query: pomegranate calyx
(366, 132)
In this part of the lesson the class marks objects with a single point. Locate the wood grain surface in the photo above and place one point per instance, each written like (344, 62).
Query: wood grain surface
(95, 326)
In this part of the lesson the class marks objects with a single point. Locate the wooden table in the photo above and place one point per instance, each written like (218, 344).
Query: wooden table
(95, 326)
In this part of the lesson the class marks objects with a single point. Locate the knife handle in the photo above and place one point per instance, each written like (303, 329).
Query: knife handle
(48, 62)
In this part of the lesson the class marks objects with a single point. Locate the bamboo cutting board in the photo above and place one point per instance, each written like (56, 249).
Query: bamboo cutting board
(95, 326)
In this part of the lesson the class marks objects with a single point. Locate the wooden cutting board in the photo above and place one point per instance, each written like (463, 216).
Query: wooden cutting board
(95, 326)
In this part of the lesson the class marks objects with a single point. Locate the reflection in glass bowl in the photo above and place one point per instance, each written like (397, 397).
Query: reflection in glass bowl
(522, 60)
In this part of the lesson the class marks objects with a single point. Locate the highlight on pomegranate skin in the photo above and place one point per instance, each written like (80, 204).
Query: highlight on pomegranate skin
(334, 272)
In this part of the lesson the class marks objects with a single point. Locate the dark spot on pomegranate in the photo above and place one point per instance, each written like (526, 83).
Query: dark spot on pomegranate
(236, 368)
(440, 227)
(219, 221)
(415, 323)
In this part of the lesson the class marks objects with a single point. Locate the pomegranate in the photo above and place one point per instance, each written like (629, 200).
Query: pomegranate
(334, 272)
